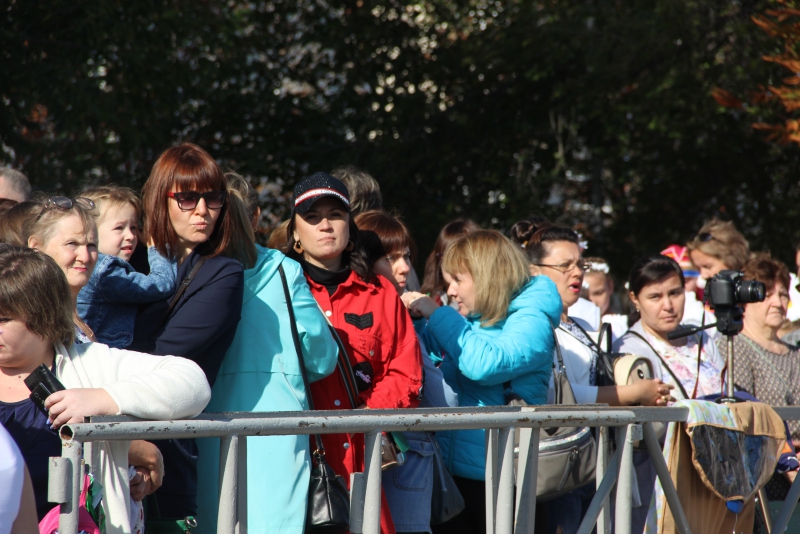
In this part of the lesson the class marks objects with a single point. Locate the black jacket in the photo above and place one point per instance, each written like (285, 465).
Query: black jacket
(201, 328)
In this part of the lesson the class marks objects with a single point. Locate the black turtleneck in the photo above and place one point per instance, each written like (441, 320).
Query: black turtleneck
(330, 279)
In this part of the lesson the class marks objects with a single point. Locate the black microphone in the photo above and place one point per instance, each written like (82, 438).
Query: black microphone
(681, 332)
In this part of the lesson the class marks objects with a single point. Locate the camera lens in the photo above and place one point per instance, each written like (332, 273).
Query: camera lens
(750, 291)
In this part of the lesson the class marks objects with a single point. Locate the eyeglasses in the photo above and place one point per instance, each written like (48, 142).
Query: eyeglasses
(565, 268)
(187, 200)
(65, 203)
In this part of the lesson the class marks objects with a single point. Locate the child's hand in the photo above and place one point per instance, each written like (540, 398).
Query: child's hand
(72, 405)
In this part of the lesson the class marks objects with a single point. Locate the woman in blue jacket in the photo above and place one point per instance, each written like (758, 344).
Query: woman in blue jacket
(261, 373)
(502, 331)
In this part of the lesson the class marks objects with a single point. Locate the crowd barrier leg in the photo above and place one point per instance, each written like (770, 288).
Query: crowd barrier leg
(71, 452)
(622, 514)
(372, 468)
(527, 470)
(603, 445)
(782, 521)
(601, 496)
(505, 491)
(241, 499)
(657, 457)
(228, 484)
(492, 476)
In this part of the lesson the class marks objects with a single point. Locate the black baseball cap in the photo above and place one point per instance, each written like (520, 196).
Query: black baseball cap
(315, 187)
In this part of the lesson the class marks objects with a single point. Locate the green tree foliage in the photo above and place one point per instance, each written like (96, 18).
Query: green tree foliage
(594, 113)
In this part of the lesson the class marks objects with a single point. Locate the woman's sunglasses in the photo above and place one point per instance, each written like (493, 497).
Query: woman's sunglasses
(65, 203)
(187, 200)
(705, 237)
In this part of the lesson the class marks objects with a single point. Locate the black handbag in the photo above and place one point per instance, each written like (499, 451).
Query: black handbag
(328, 498)
(446, 501)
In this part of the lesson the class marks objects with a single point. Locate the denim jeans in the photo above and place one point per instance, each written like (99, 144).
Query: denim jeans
(409, 487)
(566, 511)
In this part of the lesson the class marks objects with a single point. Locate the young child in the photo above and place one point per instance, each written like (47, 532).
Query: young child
(109, 302)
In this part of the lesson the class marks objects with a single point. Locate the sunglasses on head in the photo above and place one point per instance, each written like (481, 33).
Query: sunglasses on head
(65, 203)
(187, 200)
(705, 237)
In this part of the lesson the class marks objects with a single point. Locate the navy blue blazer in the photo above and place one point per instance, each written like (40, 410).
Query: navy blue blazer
(201, 327)
(203, 323)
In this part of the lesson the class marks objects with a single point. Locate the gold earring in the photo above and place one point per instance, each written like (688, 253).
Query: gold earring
(350, 246)
(298, 247)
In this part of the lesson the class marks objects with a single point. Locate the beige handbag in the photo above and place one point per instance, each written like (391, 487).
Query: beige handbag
(567, 455)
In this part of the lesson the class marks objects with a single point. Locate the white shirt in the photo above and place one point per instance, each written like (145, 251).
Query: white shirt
(588, 311)
(12, 475)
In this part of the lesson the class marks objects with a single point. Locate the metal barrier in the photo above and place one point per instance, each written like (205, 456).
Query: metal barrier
(503, 515)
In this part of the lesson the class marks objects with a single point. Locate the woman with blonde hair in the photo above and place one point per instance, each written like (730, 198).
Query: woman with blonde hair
(718, 246)
(502, 332)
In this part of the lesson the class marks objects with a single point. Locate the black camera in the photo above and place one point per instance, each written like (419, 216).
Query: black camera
(42, 383)
(726, 291)
(728, 288)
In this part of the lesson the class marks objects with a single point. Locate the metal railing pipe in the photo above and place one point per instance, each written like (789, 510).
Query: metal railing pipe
(622, 514)
(372, 468)
(504, 522)
(361, 421)
(657, 457)
(600, 497)
(527, 475)
(228, 484)
(68, 516)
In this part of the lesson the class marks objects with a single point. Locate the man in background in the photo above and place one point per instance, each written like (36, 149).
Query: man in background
(14, 185)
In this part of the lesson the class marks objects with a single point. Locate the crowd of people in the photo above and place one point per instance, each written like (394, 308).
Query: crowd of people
(186, 313)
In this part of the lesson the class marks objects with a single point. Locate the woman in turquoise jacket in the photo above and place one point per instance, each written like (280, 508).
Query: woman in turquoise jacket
(261, 373)
(502, 331)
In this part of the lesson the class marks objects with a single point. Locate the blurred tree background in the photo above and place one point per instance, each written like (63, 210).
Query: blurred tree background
(596, 113)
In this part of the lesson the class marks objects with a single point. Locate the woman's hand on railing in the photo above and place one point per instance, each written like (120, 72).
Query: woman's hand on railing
(654, 393)
(418, 304)
(72, 405)
(149, 464)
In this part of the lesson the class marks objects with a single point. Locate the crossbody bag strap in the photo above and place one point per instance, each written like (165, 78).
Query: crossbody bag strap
(299, 349)
(593, 345)
(182, 289)
(664, 364)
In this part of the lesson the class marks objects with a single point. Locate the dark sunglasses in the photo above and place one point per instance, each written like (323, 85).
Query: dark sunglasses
(705, 237)
(187, 200)
(66, 203)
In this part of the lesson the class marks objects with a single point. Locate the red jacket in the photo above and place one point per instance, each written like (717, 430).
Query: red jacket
(379, 336)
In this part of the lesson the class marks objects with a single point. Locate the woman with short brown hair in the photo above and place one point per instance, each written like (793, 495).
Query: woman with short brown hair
(191, 217)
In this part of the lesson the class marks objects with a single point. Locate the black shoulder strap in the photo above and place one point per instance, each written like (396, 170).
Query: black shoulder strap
(182, 289)
(299, 349)
(594, 345)
(664, 363)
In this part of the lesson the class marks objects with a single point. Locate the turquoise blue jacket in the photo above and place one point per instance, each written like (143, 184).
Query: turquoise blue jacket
(477, 361)
(261, 373)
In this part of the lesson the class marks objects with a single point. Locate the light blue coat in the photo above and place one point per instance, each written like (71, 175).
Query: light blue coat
(261, 373)
(478, 360)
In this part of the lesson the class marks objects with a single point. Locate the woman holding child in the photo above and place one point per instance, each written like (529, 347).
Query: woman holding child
(192, 220)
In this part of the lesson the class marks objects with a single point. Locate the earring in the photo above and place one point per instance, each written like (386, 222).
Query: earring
(298, 247)
(350, 246)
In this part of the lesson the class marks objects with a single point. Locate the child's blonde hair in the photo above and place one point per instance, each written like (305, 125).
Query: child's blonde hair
(104, 196)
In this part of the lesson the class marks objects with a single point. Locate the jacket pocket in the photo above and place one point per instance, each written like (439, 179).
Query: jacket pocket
(370, 347)
(416, 474)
